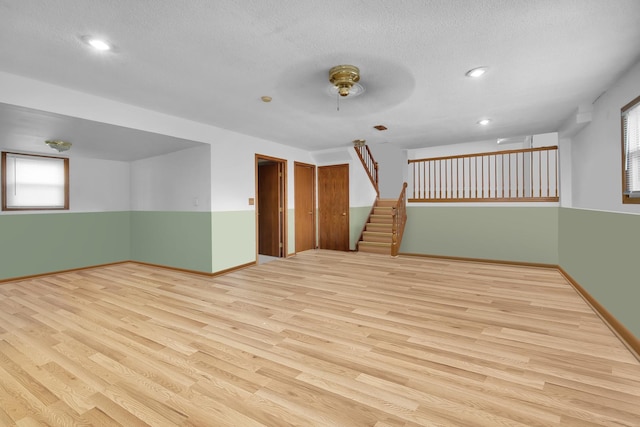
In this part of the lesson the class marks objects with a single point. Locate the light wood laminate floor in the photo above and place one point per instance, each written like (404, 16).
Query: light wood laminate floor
(320, 339)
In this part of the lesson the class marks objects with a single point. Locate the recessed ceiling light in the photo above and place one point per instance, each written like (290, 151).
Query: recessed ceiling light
(484, 122)
(97, 43)
(266, 98)
(476, 72)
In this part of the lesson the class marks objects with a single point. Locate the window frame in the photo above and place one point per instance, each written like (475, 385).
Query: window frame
(3, 183)
(626, 198)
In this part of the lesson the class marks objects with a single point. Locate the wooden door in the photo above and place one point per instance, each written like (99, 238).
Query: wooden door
(304, 182)
(333, 207)
(268, 209)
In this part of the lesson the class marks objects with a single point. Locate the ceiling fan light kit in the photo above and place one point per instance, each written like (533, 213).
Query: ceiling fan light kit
(359, 143)
(59, 145)
(343, 77)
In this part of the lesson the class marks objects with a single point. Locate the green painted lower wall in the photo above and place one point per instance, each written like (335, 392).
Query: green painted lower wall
(357, 219)
(174, 239)
(43, 243)
(291, 231)
(234, 239)
(600, 251)
(522, 234)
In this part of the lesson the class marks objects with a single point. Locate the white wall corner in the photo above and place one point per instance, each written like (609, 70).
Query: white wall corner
(577, 121)
(564, 148)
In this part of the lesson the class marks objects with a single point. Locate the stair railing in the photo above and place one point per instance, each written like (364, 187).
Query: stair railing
(399, 221)
(370, 165)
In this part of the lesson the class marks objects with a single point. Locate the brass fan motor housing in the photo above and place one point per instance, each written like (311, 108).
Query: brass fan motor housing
(344, 77)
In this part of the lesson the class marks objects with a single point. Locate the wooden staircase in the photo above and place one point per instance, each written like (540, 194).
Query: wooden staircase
(383, 231)
(377, 236)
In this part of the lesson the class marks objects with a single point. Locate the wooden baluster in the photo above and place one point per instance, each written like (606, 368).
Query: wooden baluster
(556, 172)
(482, 177)
(523, 171)
(429, 165)
(489, 177)
(502, 171)
(509, 193)
(540, 173)
(548, 177)
(463, 180)
(531, 172)
(476, 183)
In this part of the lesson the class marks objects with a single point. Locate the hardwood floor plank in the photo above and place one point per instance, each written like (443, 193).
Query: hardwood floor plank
(320, 339)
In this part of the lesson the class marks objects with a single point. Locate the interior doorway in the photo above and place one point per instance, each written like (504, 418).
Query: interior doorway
(304, 182)
(271, 206)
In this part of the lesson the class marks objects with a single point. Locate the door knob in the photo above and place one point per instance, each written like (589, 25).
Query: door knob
(344, 214)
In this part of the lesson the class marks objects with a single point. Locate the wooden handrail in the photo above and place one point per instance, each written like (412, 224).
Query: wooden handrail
(370, 165)
(399, 221)
(525, 175)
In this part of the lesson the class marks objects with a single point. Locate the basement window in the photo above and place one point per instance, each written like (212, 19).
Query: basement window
(631, 152)
(32, 182)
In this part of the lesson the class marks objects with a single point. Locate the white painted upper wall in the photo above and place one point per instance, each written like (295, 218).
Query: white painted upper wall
(179, 181)
(233, 173)
(392, 169)
(597, 150)
(486, 146)
(99, 185)
(94, 186)
(361, 191)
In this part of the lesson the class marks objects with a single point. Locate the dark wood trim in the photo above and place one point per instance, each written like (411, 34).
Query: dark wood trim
(481, 260)
(487, 199)
(70, 270)
(486, 153)
(625, 335)
(631, 104)
(314, 202)
(370, 166)
(626, 200)
(453, 188)
(3, 182)
(200, 273)
(285, 201)
(168, 267)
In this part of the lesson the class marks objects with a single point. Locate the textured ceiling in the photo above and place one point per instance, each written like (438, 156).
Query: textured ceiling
(211, 61)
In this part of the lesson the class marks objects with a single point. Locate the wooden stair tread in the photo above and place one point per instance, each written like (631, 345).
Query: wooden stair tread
(377, 236)
(379, 226)
(378, 232)
(378, 244)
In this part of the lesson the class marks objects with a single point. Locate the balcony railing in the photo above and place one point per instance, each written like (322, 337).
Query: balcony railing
(527, 175)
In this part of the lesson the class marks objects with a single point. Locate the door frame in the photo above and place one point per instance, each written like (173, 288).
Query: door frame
(282, 190)
(346, 208)
(314, 200)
